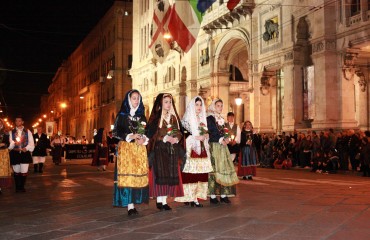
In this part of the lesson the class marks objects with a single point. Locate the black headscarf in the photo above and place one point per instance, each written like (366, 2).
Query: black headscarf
(125, 107)
(156, 114)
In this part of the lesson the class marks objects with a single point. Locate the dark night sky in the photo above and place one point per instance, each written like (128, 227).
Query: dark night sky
(35, 37)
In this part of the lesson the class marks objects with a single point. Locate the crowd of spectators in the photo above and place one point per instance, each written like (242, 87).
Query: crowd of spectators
(322, 152)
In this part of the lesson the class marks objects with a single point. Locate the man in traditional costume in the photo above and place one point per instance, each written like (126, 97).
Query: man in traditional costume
(21, 145)
(234, 132)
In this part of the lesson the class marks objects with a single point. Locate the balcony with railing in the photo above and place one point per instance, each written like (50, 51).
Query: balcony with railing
(238, 87)
(220, 17)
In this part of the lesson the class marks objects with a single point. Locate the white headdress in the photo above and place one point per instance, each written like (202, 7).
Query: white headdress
(190, 121)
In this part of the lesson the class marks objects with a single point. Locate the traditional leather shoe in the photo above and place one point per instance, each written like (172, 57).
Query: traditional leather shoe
(250, 178)
(132, 212)
(213, 200)
(193, 204)
(166, 207)
(225, 200)
(159, 206)
(244, 178)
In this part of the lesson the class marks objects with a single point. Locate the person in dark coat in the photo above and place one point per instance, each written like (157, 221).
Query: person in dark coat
(365, 157)
(100, 158)
(39, 153)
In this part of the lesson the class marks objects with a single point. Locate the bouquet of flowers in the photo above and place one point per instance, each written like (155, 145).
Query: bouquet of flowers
(141, 127)
(171, 131)
(202, 129)
(226, 133)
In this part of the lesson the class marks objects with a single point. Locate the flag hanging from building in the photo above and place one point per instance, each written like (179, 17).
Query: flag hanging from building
(184, 24)
(203, 5)
(159, 45)
(231, 4)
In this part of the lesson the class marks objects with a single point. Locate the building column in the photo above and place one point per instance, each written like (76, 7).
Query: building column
(260, 105)
(362, 101)
(293, 96)
(220, 88)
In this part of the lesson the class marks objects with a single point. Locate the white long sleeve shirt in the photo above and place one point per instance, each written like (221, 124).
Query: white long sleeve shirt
(31, 144)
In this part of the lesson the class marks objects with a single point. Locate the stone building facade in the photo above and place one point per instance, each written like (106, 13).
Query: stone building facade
(93, 80)
(297, 64)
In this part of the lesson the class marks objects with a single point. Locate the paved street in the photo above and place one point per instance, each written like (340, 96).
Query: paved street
(74, 201)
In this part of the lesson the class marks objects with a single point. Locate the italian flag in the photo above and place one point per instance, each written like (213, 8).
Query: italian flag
(184, 23)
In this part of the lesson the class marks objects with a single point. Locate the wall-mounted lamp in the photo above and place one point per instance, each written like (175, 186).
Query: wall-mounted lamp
(110, 74)
(238, 101)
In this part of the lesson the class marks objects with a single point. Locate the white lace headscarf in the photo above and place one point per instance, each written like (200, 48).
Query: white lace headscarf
(190, 122)
(212, 112)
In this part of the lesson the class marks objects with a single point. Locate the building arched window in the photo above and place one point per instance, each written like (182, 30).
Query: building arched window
(355, 7)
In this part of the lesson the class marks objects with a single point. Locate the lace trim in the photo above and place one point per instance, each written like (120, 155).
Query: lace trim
(198, 165)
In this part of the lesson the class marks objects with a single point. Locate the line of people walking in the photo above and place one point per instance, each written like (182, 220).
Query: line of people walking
(187, 159)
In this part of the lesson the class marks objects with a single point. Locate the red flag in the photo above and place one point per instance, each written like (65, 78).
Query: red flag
(232, 4)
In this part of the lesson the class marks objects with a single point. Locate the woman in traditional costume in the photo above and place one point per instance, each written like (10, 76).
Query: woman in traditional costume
(131, 168)
(223, 178)
(198, 163)
(165, 151)
(247, 166)
(5, 169)
(100, 158)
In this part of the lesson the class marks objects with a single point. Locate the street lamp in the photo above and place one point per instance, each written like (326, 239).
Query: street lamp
(63, 105)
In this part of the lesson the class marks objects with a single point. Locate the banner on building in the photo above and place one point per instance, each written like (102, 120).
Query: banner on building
(49, 128)
(160, 45)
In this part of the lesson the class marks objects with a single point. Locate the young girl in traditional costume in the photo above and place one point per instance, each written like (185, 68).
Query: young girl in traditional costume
(165, 135)
(223, 178)
(131, 168)
(198, 164)
(247, 166)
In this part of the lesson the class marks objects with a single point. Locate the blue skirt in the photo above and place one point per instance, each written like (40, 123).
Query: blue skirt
(124, 196)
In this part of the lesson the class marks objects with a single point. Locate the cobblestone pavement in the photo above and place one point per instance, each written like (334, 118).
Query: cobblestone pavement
(74, 201)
